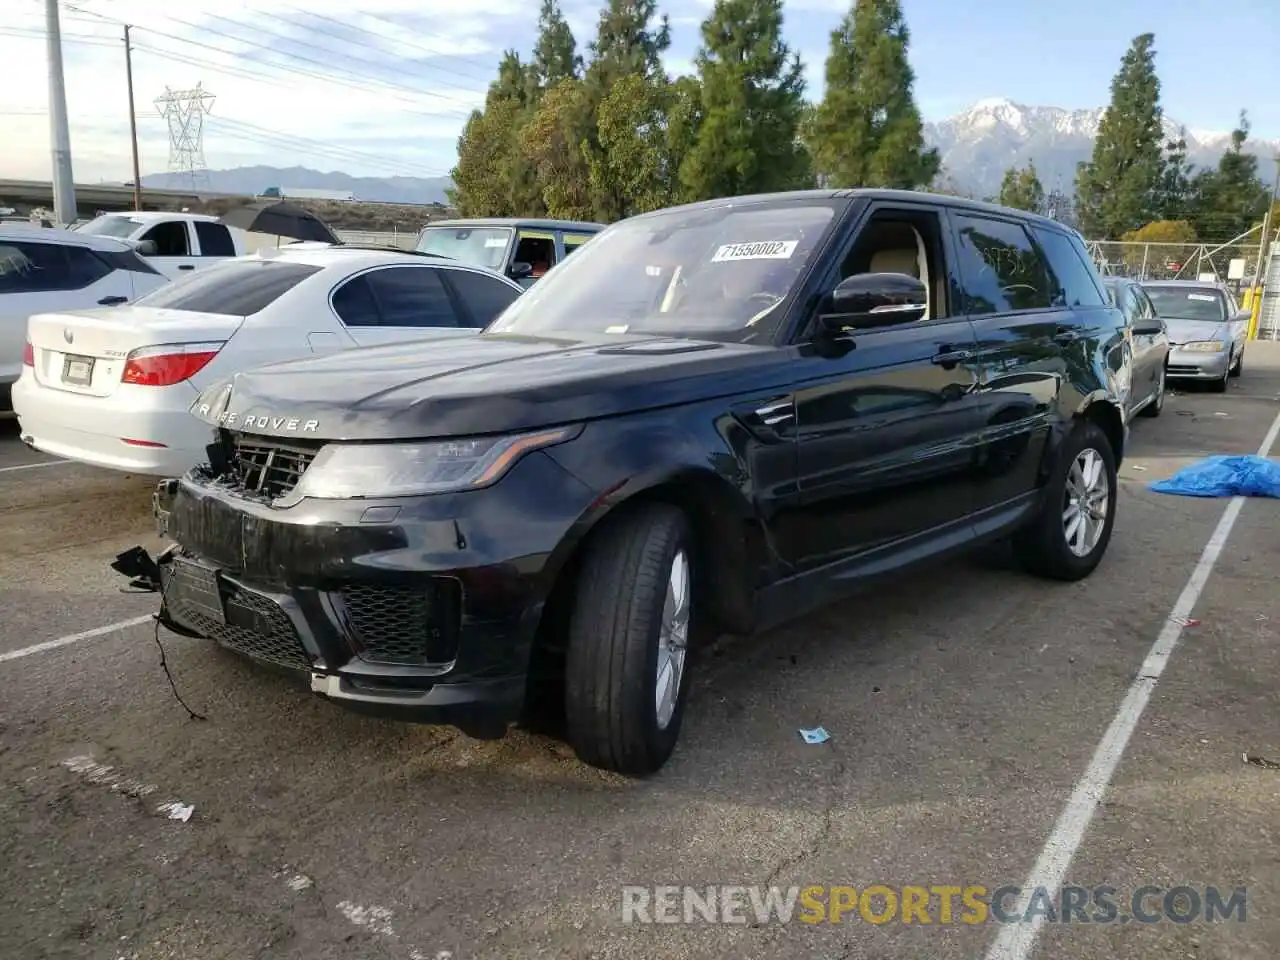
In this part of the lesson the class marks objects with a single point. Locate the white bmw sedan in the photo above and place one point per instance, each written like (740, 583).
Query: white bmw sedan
(113, 386)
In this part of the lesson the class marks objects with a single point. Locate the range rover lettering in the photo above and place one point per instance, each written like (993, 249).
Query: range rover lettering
(712, 418)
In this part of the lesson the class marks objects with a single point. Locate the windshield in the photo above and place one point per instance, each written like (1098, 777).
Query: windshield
(1188, 303)
(716, 273)
(482, 246)
(109, 226)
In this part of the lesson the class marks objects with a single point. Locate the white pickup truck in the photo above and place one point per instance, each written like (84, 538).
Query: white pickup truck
(174, 243)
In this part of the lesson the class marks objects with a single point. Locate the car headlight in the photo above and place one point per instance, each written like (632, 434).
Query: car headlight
(350, 471)
(1205, 346)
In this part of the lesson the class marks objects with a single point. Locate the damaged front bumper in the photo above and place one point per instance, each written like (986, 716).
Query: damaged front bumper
(421, 609)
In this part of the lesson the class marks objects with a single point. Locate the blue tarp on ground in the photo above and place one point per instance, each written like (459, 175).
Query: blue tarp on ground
(1225, 476)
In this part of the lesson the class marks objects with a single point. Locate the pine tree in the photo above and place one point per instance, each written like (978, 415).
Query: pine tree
(555, 54)
(1022, 190)
(553, 144)
(1119, 188)
(752, 100)
(626, 45)
(868, 130)
(491, 177)
(1231, 199)
(1174, 194)
(635, 157)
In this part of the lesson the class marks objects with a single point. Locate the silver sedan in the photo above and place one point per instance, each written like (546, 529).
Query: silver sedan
(1206, 329)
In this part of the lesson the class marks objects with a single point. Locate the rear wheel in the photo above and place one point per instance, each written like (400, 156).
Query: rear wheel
(1068, 537)
(625, 673)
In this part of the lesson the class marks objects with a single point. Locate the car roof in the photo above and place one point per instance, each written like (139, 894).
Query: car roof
(327, 256)
(870, 194)
(1188, 284)
(94, 241)
(146, 216)
(535, 224)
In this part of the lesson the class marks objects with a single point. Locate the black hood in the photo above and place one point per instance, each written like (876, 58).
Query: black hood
(487, 384)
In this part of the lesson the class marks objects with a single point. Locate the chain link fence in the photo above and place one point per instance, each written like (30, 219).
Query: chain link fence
(1222, 262)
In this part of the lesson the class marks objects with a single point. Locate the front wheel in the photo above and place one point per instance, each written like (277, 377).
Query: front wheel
(1239, 365)
(1153, 408)
(1069, 535)
(625, 673)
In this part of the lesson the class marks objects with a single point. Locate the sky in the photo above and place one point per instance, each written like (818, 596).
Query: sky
(382, 87)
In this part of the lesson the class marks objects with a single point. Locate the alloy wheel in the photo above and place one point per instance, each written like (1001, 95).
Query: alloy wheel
(673, 640)
(1086, 501)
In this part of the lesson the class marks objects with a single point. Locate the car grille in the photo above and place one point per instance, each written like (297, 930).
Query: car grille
(266, 466)
(1175, 369)
(405, 624)
(272, 637)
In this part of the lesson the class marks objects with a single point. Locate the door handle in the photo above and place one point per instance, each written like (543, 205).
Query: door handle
(186, 266)
(948, 358)
(112, 301)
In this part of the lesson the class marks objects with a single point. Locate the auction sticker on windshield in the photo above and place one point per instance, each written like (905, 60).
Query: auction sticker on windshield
(762, 250)
(1208, 297)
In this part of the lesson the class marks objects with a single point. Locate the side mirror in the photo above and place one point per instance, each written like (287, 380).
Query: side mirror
(1244, 316)
(874, 300)
(521, 270)
(147, 248)
(1149, 327)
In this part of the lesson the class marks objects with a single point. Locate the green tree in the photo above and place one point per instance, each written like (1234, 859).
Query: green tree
(627, 44)
(635, 157)
(752, 100)
(868, 130)
(1173, 199)
(555, 54)
(1021, 189)
(491, 177)
(553, 145)
(1231, 199)
(1119, 188)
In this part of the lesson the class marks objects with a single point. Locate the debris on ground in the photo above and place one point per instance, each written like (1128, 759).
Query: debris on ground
(816, 735)
(1138, 467)
(1260, 762)
(299, 882)
(1224, 476)
(1185, 621)
(1219, 413)
(177, 810)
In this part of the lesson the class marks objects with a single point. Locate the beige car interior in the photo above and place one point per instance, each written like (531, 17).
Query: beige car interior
(899, 248)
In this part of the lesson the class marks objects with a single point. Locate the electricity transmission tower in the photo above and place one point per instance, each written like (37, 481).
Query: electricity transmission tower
(184, 111)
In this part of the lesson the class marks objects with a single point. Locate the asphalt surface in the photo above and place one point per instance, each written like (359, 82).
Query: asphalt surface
(964, 706)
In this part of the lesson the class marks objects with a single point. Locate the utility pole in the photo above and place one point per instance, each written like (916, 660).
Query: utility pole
(133, 121)
(64, 186)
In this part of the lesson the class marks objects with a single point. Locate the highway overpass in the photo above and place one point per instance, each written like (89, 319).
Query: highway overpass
(92, 197)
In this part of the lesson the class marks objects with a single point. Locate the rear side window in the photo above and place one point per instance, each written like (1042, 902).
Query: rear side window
(237, 288)
(27, 267)
(354, 304)
(1000, 268)
(1070, 266)
(484, 297)
(412, 297)
(215, 239)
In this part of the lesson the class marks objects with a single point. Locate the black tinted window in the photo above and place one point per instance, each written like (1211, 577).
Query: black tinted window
(354, 304)
(237, 288)
(1069, 263)
(1000, 268)
(215, 239)
(35, 267)
(412, 297)
(170, 238)
(484, 297)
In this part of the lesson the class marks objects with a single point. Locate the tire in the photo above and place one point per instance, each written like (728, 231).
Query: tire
(1220, 385)
(1042, 546)
(1153, 408)
(611, 670)
(1239, 366)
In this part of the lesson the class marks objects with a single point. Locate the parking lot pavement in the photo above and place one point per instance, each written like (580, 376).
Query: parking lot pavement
(964, 706)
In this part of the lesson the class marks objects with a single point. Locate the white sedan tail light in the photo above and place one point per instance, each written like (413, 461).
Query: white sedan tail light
(165, 364)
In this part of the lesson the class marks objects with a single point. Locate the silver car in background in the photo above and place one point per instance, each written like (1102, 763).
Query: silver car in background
(1206, 329)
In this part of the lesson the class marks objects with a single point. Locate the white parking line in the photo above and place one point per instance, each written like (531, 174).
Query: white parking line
(1014, 942)
(33, 466)
(74, 638)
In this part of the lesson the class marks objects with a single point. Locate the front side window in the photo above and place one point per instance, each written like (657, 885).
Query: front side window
(1188, 303)
(717, 273)
(236, 288)
(170, 238)
(1000, 267)
(482, 246)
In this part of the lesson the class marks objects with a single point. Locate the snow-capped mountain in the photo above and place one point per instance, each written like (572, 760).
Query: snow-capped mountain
(980, 143)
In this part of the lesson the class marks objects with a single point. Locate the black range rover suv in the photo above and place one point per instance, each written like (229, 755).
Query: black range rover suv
(713, 418)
